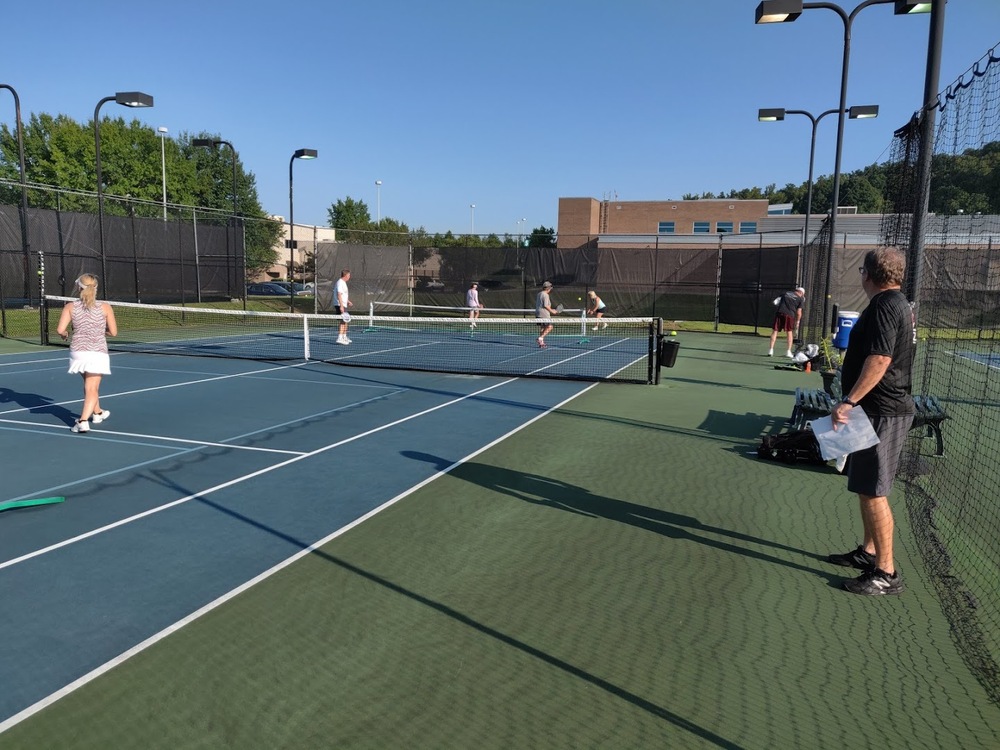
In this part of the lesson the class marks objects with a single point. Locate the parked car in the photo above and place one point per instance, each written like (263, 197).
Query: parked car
(434, 284)
(297, 288)
(266, 289)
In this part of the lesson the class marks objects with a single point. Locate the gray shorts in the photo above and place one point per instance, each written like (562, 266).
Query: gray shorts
(872, 471)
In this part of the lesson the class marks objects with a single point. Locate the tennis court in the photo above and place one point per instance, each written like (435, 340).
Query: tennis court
(297, 554)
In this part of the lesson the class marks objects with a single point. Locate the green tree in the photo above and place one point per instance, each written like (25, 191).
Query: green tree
(351, 219)
(61, 153)
(542, 237)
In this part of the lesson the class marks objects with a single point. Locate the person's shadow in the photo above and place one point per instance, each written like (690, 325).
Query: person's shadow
(37, 404)
(539, 490)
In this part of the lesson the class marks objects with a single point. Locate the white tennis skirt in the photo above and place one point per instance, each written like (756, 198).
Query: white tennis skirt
(97, 363)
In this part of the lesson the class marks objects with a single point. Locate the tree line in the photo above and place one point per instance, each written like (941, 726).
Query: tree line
(60, 153)
(963, 183)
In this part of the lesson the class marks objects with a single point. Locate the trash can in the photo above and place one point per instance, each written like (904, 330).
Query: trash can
(668, 351)
(845, 322)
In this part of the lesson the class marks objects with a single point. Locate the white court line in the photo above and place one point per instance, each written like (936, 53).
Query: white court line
(95, 436)
(177, 452)
(164, 387)
(157, 637)
(238, 480)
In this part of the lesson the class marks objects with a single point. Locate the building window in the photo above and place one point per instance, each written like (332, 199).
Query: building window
(724, 227)
(702, 227)
(665, 227)
(748, 227)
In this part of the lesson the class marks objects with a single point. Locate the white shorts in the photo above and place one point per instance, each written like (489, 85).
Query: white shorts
(97, 363)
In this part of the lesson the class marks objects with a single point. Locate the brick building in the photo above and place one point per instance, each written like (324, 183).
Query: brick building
(583, 220)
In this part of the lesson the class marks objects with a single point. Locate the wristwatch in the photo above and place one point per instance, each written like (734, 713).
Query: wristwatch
(848, 402)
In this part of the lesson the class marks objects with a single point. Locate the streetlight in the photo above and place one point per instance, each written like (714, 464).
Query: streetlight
(302, 153)
(213, 143)
(519, 223)
(378, 202)
(785, 11)
(126, 99)
(163, 165)
(24, 207)
(861, 112)
(472, 211)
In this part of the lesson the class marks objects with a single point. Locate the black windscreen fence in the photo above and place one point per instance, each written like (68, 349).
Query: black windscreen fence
(723, 285)
(144, 259)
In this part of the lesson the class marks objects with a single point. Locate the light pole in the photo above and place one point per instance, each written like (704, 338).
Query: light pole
(213, 143)
(302, 153)
(378, 202)
(472, 212)
(24, 208)
(163, 165)
(126, 99)
(785, 11)
(928, 114)
(519, 223)
(860, 112)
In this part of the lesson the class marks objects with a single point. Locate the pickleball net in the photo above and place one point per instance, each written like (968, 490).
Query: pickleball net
(382, 307)
(626, 351)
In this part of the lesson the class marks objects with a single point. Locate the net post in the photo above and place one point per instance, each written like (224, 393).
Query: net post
(655, 340)
(305, 337)
(43, 321)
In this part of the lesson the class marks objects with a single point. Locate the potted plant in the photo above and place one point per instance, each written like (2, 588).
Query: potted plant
(829, 369)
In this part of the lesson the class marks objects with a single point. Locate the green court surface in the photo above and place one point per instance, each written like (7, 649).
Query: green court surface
(623, 573)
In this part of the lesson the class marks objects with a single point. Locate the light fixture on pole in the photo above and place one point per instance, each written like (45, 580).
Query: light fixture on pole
(213, 143)
(785, 11)
(378, 202)
(126, 99)
(860, 112)
(472, 213)
(163, 165)
(25, 247)
(302, 153)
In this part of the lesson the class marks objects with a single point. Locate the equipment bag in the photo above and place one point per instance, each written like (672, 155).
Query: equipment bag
(795, 447)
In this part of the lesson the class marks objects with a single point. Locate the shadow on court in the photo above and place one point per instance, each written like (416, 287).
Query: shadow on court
(37, 404)
(575, 499)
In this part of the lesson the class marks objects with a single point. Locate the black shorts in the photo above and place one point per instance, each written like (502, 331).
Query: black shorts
(871, 471)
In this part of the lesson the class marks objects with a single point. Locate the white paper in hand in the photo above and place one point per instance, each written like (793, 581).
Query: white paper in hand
(854, 436)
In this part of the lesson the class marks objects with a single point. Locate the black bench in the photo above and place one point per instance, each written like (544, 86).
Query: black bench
(814, 403)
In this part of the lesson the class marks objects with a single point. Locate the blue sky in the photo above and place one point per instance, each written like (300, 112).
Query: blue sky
(509, 106)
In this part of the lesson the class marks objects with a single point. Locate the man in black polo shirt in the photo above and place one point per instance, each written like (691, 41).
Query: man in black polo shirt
(876, 375)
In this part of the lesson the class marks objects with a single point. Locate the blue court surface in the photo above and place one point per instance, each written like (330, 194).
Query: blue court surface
(207, 474)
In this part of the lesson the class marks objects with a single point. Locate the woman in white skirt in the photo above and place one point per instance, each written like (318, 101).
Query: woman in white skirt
(88, 352)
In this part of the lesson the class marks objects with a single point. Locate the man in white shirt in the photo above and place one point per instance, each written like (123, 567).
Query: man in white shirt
(341, 303)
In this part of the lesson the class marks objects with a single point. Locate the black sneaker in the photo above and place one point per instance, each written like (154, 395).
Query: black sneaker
(875, 582)
(856, 558)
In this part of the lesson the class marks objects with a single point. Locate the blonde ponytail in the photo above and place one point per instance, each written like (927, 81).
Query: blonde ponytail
(87, 284)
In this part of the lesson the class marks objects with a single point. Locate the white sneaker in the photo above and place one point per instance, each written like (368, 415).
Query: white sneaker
(472, 325)
(594, 328)
(79, 426)
(603, 326)
(99, 416)
(342, 340)
(789, 354)
(347, 340)
(770, 352)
